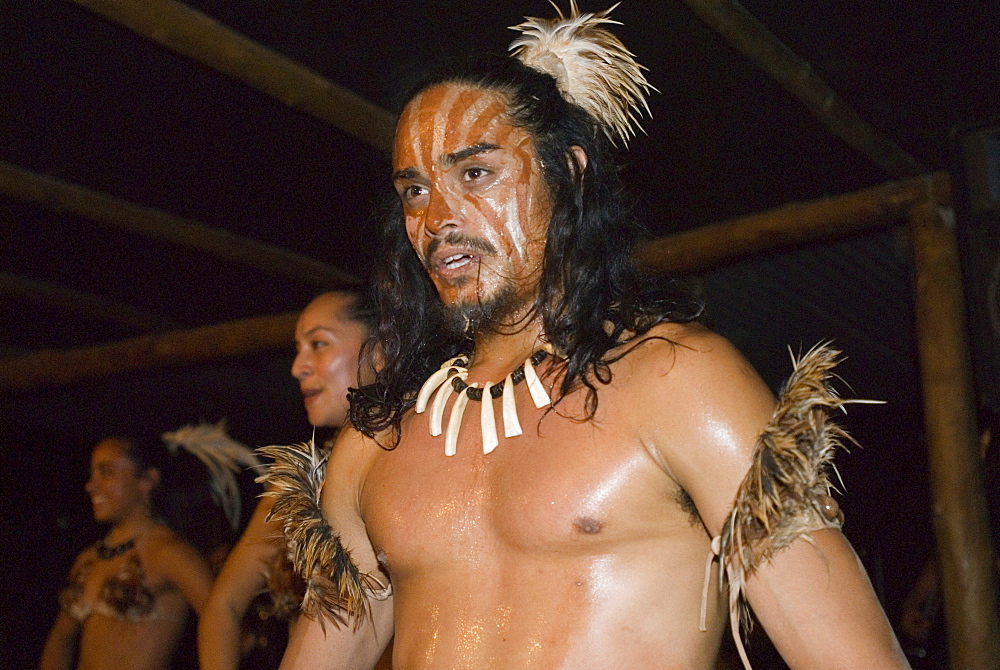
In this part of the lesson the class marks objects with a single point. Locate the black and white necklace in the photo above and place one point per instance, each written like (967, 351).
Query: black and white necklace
(105, 552)
(456, 370)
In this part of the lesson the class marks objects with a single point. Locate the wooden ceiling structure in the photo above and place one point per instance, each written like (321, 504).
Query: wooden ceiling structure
(917, 202)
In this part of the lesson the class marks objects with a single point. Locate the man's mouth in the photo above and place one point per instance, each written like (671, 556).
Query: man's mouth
(455, 261)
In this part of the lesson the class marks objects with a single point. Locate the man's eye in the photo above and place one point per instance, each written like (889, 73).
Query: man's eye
(412, 191)
(474, 173)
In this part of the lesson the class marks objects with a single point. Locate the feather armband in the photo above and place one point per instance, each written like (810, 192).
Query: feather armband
(785, 495)
(335, 588)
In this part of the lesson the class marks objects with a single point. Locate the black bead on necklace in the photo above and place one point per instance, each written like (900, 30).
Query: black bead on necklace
(105, 552)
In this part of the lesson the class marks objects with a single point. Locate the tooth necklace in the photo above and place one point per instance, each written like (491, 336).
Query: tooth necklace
(455, 370)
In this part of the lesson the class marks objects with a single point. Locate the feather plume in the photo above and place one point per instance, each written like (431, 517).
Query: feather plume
(222, 455)
(335, 588)
(591, 66)
(785, 495)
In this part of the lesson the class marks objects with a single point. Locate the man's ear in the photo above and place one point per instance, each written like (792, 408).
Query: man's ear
(578, 161)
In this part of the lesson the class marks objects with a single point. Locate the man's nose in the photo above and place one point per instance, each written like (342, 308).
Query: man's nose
(442, 214)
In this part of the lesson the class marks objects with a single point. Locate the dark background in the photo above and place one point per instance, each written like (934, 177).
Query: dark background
(89, 102)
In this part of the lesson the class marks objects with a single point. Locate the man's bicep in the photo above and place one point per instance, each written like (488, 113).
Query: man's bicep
(312, 645)
(717, 408)
(816, 603)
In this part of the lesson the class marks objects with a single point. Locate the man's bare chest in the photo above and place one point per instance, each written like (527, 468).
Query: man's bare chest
(563, 486)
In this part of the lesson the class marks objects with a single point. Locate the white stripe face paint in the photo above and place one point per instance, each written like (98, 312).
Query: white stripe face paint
(474, 200)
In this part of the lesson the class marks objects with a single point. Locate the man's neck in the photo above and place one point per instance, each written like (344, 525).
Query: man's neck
(497, 354)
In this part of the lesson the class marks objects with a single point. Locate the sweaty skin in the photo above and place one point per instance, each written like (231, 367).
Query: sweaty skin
(573, 545)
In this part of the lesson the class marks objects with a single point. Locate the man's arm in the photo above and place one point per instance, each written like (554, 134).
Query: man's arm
(339, 648)
(325, 645)
(241, 579)
(813, 597)
(819, 609)
(60, 646)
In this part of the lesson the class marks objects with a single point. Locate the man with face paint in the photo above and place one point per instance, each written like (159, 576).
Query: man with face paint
(551, 468)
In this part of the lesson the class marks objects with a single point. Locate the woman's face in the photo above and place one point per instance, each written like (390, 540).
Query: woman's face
(117, 490)
(327, 341)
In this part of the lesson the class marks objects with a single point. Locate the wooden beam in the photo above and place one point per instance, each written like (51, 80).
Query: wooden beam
(960, 517)
(88, 304)
(112, 212)
(184, 347)
(715, 245)
(752, 39)
(203, 39)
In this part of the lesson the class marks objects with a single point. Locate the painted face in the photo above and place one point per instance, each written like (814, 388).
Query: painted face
(117, 490)
(474, 199)
(326, 364)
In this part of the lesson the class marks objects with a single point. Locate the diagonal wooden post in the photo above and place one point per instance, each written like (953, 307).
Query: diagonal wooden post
(964, 550)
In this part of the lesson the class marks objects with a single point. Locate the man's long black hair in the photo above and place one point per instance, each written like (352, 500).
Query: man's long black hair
(591, 299)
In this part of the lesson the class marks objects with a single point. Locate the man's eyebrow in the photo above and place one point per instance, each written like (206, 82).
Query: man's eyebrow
(450, 159)
(405, 173)
(447, 160)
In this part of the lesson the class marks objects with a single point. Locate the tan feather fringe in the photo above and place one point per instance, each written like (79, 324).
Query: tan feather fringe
(786, 493)
(335, 588)
(591, 66)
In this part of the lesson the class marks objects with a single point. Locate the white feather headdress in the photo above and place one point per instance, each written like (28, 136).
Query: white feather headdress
(592, 68)
(222, 455)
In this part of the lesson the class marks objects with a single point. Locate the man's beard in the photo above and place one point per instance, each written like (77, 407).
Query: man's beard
(498, 313)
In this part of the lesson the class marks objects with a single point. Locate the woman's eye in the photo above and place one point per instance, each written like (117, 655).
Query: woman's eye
(318, 344)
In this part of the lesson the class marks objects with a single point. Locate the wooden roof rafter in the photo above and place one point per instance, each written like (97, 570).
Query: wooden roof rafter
(112, 212)
(93, 306)
(198, 36)
(752, 39)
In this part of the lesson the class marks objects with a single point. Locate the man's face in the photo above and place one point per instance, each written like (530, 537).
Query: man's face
(474, 199)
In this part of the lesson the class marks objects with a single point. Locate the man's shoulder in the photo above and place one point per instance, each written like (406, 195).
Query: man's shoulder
(682, 352)
(688, 370)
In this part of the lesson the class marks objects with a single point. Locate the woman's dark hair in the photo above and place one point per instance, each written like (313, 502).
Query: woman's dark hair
(183, 497)
(591, 297)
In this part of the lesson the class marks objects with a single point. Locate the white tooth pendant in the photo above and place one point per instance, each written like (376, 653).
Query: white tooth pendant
(434, 381)
(538, 394)
(440, 400)
(511, 426)
(487, 422)
(455, 422)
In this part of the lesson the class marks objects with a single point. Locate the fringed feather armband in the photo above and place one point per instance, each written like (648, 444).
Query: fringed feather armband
(335, 587)
(785, 495)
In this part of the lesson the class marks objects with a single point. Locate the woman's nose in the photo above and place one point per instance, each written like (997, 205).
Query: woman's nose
(300, 366)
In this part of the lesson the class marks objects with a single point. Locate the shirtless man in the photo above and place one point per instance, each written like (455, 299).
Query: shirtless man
(576, 534)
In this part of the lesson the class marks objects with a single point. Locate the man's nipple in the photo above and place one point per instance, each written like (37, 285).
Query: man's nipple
(587, 525)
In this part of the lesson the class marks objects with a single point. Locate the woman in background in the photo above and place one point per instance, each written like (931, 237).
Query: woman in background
(129, 595)
(328, 338)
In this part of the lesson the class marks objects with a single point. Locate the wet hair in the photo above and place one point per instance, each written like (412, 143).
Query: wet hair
(591, 299)
(182, 499)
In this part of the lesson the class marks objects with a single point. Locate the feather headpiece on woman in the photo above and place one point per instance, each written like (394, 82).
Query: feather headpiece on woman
(222, 455)
(592, 68)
